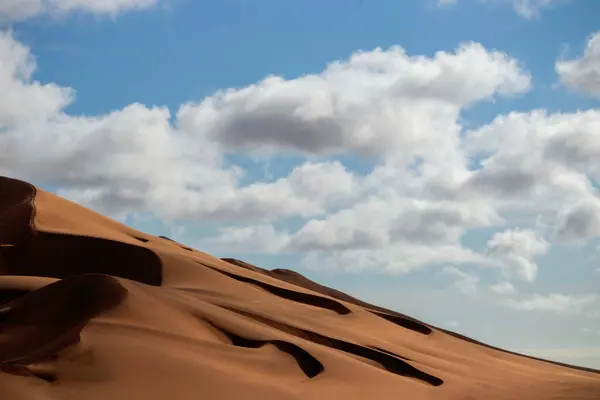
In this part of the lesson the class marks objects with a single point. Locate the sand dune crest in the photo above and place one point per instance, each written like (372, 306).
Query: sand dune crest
(90, 308)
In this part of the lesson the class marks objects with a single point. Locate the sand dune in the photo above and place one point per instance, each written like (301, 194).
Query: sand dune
(92, 309)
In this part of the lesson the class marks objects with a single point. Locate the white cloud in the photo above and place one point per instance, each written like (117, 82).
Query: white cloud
(365, 238)
(392, 232)
(324, 180)
(517, 249)
(536, 162)
(23, 9)
(395, 259)
(134, 160)
(463, 282)
(527, 9)
(25, 101)
(247, 239)
(503, 288)
(390, 219)
(531, 8)
(579, 223)
(557, 303)
(381, 102)
(583, 74)
(410, 211)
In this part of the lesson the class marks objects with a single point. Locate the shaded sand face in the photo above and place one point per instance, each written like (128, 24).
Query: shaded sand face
(91, 309)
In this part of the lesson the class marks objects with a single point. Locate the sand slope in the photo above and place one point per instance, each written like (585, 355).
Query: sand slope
(91, 309)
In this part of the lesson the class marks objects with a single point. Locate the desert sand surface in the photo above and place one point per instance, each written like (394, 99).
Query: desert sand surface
(92, 309)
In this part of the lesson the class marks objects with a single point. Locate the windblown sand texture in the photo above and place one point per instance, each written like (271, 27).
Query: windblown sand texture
(92, 309)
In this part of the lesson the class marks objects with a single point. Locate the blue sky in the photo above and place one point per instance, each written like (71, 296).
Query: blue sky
(450, 175)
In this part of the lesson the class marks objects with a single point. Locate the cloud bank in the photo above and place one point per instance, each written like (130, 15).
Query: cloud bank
(432, 182)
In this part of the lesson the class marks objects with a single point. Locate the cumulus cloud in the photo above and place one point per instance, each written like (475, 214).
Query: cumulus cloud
(378, 235)
(12, 10)
(557, 303)
(380, 102)
(516, 249)
(536, 161)
(583, 73)
(579, 223)
(390, 219)
(247, 239)
(410, 211)
(391, 232)
(24, 100)
(134, 160)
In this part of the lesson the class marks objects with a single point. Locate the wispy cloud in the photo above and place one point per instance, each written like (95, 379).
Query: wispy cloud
(527, 9)
(16, 10)
(557, 303)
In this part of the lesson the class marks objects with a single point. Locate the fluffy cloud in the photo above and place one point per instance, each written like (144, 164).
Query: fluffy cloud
(580, 222)
(410, 211)
(583, 74)
(393, 233)
(247, 239)
(25, 101)
(387, 220)
(23, 9)
(557, 303)
(516, 249)
(134, 160)
(536, 162)
(381, 102)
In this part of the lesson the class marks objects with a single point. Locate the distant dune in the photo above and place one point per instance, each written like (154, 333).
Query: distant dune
(92, 309)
